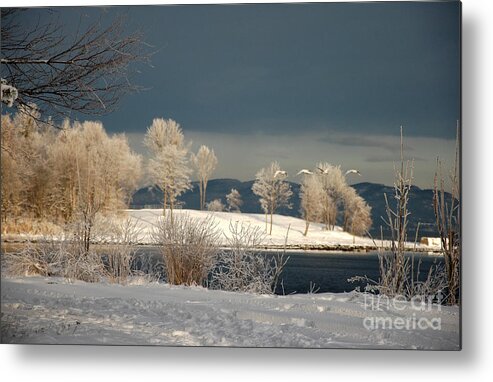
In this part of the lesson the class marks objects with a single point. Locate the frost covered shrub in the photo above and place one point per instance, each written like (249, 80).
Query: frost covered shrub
(243, 268)
(399, 275)
(41, 259)
(189, 246)
(447, 214)
(122, 235)
(216, 206)
(77, 264)
(55, 258)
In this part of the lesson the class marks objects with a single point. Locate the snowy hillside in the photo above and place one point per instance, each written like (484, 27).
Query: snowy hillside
(50, 310)
(317, 237)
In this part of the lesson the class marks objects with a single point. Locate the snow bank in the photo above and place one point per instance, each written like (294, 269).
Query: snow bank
(50, 310)
(317, 237)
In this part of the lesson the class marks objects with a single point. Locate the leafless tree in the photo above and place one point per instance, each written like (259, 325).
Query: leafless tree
(273, 191)
(86, 72)
(234, 200)
(205, 162)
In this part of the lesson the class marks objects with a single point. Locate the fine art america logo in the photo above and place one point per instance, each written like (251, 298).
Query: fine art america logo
(419, 312)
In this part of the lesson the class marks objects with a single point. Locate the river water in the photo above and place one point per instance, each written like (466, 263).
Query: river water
(328, 271)
(305, 271)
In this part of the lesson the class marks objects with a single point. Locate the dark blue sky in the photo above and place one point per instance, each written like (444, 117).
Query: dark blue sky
(336, 78)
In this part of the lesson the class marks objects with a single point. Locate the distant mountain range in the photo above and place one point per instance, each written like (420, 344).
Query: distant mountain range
(420, 203)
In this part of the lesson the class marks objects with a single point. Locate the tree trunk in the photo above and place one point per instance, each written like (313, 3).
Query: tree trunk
(171, 205)
(271, 213)
(201, 206)
(164, 203)
(307, 224)
(204, 193)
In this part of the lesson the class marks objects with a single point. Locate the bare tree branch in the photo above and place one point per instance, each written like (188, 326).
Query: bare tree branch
(87, 73)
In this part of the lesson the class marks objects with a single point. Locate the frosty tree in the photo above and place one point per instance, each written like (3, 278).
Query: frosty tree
(333, 184)
(106, 174)
(204, 162)
(234, 200)
(357, 213)
(168, 166)
(312, 199)
(272, 189)
(66, 174)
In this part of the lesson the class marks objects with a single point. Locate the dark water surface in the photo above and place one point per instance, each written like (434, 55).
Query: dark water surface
(305, 271)
(326, 271)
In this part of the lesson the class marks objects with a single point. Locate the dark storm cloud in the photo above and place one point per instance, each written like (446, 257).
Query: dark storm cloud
(387, 157)
(358, 67)
(334, 81)
(364, 141)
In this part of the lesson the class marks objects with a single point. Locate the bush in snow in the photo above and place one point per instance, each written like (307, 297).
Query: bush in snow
(216, 205)
(243, 268)
(42, 259)
(190, 247)
(122, 235)
(67, 259)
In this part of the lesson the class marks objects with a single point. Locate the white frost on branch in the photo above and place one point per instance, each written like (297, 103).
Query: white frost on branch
(9, 93)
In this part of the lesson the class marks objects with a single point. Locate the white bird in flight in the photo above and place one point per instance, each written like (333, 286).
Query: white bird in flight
(322, 171)
(280, 172)
(305, 171)
(352, 171)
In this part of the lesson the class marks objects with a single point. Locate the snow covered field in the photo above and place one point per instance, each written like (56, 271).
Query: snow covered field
(50, 310)
(317, 237)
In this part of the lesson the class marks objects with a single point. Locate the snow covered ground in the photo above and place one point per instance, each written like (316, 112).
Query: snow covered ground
(317, 237)
(51, 310)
